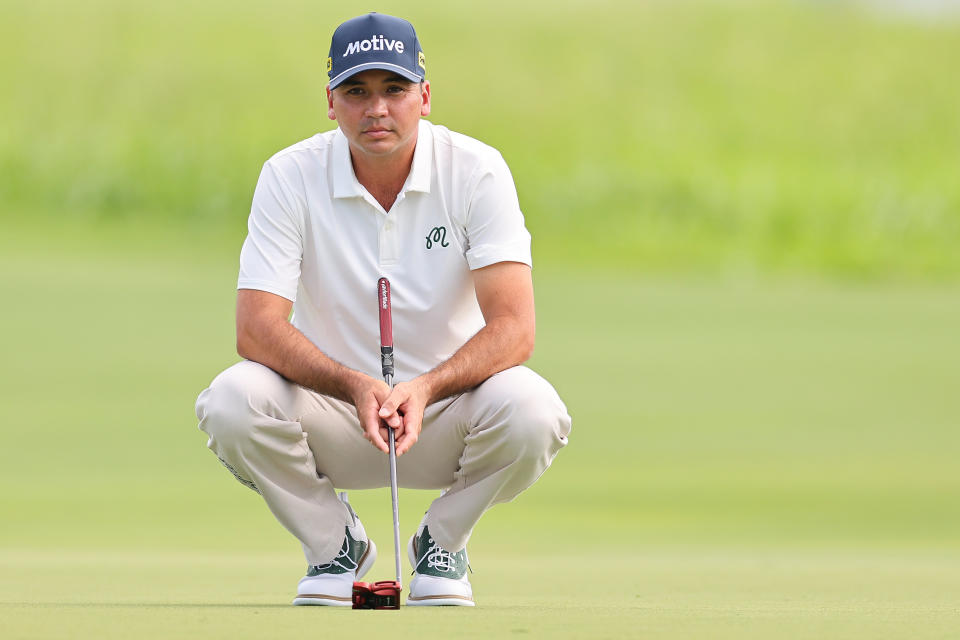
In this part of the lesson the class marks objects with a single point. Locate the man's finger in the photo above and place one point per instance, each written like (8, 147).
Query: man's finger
(372, 429)
(411, 433)
(389, 410)
(378, 440)
(408, 441)
(393, 420)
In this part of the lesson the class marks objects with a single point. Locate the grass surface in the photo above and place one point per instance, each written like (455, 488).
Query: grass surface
(774, 459)
(652, 594)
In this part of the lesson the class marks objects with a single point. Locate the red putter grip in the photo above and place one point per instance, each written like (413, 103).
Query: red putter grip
(386, 321)
(386, 330)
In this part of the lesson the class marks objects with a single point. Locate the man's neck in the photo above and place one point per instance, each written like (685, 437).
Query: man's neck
(383, 177)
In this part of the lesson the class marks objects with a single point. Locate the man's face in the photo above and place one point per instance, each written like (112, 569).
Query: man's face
(379, 111)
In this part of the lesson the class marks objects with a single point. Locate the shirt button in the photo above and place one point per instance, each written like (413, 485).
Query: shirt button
(388, 226)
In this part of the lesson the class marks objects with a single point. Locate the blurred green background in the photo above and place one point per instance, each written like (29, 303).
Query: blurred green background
(746, 218)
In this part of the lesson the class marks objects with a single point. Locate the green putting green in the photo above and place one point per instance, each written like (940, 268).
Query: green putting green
(767, 459)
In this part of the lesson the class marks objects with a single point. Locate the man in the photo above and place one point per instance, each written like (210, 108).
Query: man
(385, 194)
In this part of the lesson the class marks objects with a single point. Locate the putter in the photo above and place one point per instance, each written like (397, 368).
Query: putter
(385, 594)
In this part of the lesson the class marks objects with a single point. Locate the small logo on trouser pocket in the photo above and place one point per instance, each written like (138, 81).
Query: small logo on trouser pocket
(243, 481)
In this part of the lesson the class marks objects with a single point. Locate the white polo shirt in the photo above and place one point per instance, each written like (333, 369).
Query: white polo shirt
(318, 238)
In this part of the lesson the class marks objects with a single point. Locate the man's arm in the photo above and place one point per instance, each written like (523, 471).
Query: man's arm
(505, 294)
(265, 335)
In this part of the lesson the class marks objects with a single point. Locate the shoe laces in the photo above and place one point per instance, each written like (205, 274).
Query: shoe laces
(438, 557)
(343, 560)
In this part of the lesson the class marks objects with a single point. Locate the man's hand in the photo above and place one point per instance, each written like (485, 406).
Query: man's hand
(403, 411)
(505, 294)
(368, 399)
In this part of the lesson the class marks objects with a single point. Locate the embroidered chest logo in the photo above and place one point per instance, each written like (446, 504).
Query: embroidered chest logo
(437, 235)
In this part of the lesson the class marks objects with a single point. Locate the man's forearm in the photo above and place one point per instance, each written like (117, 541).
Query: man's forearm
(503, 343)
(277, 344)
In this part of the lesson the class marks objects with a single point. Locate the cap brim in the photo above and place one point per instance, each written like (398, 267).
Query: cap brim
(384, 66)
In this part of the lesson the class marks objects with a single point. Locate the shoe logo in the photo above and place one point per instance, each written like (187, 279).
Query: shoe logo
(439, 235)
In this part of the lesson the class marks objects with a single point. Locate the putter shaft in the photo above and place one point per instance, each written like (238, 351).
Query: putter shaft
(396, 508)
(393, 490)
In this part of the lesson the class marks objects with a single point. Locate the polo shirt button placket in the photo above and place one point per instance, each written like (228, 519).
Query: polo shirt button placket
(388, 241)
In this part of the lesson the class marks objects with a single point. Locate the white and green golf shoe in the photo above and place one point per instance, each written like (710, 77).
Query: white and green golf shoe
(440, 577)
(331, 584)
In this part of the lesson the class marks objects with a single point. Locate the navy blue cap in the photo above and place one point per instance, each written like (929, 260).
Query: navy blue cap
(375, 41)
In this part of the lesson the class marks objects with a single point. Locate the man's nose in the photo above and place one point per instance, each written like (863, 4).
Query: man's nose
(377, 106)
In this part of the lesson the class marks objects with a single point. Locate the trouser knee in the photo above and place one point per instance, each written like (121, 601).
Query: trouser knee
(531, 419)
(536, 429)
(229, 408)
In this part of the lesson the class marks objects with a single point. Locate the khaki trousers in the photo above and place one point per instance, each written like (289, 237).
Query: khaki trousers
(294, 446)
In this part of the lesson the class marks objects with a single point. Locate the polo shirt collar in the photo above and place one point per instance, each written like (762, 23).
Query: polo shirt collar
(345, 184)
(422, 168)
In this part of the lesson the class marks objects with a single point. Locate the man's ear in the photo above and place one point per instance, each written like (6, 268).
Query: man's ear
(425, 95)
(330, 113)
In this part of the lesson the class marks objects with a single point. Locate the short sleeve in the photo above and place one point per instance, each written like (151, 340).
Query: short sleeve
(495, 227)
(273, 250)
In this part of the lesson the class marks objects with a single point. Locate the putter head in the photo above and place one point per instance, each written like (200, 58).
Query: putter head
(384, 594)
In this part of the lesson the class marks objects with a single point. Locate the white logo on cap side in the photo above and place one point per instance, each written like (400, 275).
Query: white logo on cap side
(375, 43)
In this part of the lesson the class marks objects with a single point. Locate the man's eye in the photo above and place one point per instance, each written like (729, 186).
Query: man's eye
(395, 89)
(355, 91)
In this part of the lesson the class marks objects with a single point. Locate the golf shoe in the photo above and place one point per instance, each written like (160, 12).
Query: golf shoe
(331, 584)
(440, 577)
